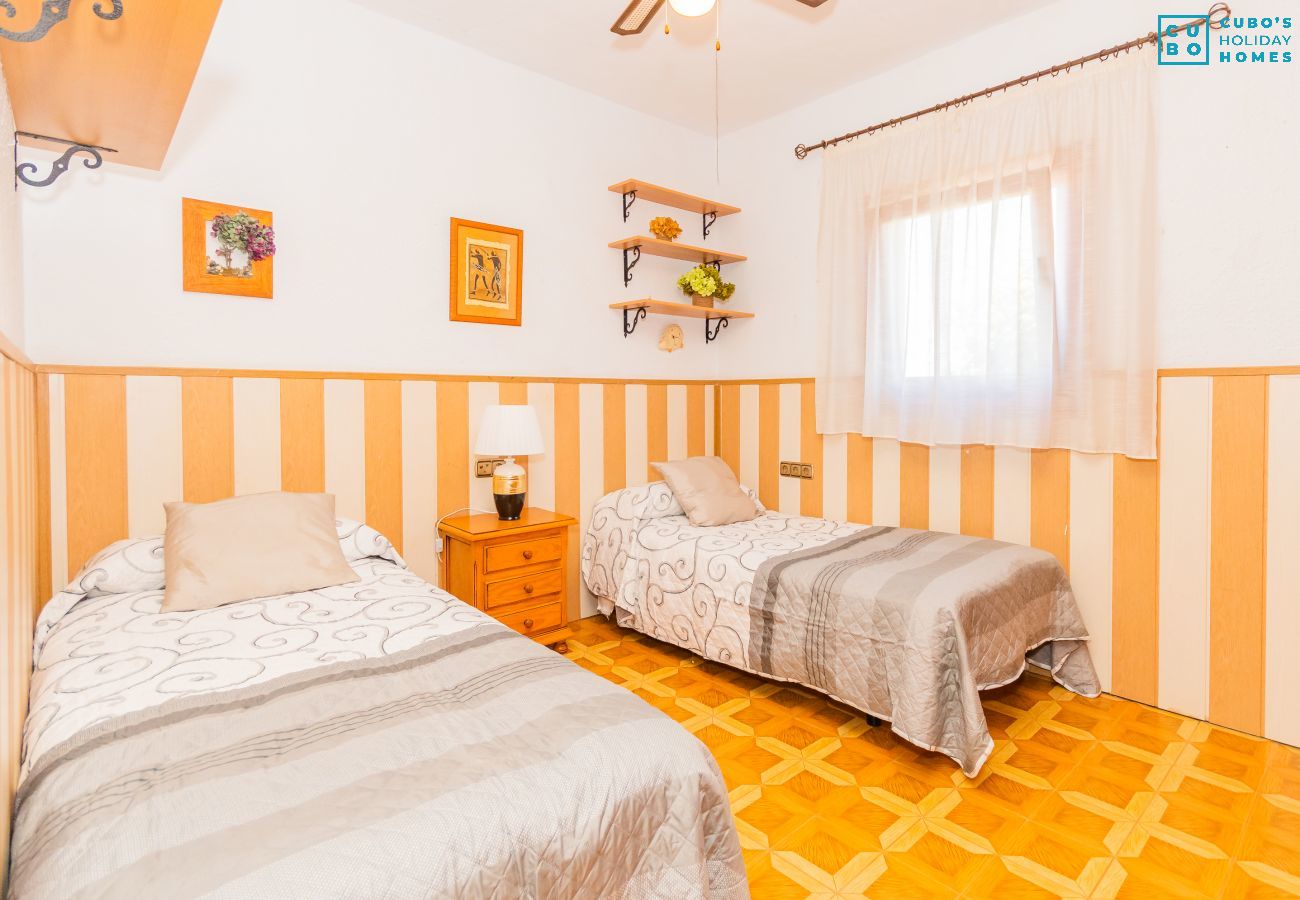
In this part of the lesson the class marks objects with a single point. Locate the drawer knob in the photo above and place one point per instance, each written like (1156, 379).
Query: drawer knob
(528, 589)
(528, 623)
(528, 554)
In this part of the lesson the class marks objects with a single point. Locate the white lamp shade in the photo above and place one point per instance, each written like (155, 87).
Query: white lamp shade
(691, 7)
(509, 431)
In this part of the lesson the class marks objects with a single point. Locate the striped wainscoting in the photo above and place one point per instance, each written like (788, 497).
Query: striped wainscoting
(18, 531)
(1187, 569)
(394, 450)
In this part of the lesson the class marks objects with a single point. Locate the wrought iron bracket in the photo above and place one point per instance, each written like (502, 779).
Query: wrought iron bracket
(629, 197)
(711, 330)
(709, 219)
(715, 263)
(631, 256)
(24, 172)
(629, 325)
(52, 13)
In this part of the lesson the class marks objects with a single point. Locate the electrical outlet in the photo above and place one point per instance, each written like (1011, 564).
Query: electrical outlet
(805, 471)
(796, 470)
(483, 468)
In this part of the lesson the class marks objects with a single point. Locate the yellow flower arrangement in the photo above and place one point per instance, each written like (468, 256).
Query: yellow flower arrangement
(664, 228)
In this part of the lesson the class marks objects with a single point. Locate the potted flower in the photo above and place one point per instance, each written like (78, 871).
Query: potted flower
(704, 284)
(664, 228)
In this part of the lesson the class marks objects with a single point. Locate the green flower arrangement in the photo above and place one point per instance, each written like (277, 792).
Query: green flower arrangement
(705, 281)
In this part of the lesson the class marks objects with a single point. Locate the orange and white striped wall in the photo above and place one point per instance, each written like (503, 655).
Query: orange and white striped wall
(1187, 569)
(395, 451)
(18, 570)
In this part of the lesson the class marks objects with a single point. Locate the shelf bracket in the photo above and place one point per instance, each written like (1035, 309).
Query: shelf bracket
(711, 331)
(24, 172)
(52, 13)
(715, 263)
(629, 197)
(631, 256)
(709, 219)
(629, 325)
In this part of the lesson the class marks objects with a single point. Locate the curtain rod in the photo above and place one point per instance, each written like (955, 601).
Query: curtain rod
(1215, 18)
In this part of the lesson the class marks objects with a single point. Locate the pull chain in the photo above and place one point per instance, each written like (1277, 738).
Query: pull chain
(717, 95)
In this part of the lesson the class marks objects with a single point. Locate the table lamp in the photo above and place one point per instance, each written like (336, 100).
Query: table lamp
(509, 431)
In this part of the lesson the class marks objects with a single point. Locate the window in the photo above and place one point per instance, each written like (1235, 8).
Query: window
(986, 276)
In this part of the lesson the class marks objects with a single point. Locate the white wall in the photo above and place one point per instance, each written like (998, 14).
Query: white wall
(363, 136)
(1229, 268)
(11, 245)
(351, 128)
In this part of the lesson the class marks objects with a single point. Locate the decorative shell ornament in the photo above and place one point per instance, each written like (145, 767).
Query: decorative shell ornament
(672, 339)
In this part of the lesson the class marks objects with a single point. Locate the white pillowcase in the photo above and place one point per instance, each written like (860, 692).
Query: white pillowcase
(660, 501)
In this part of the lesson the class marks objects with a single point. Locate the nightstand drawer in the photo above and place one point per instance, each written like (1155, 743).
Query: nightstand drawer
(501, 557)
(526, 587)
(537, 619)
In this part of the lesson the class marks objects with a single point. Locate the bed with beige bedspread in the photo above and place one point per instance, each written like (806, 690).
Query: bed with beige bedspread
(905, 625)
(379, 739)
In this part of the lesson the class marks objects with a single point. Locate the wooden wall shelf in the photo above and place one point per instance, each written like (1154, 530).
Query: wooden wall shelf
(714, 319)
(120, 83)
(686, 310)
(635, 310)
(644, 190)
(676, 250)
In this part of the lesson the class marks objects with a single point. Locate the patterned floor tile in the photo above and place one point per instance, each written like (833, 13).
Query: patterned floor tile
(1087, 798)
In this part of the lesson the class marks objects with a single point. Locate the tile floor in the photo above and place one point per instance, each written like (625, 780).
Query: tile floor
(1081, 798)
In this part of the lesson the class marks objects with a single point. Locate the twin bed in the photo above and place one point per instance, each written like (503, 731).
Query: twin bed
(907, 626)
(379, 739)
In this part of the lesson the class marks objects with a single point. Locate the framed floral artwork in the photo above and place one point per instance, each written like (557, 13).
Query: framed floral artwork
(487, 273)
(227, 249)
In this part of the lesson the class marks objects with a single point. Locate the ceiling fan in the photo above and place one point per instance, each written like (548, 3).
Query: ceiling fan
(639, 12)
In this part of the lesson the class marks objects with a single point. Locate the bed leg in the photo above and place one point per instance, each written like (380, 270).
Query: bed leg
(873, 722)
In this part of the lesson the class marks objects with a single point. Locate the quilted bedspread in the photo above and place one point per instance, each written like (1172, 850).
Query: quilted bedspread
(378, 740)
(902, 624)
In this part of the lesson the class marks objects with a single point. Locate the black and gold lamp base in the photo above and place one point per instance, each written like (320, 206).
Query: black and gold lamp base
(509, 489)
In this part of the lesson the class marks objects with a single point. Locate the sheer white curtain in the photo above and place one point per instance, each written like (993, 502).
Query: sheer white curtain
(986, 273)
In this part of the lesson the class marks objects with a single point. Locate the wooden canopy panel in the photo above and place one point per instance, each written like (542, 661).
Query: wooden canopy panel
(119, 84)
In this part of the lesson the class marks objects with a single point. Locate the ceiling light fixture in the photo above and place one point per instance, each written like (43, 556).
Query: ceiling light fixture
(691, 8)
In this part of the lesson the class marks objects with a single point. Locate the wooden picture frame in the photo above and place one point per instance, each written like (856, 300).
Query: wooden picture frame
(199, 262)
(487, 273)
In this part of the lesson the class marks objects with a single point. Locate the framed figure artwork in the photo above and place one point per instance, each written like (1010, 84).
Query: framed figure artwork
(487, 273)
(227, 249)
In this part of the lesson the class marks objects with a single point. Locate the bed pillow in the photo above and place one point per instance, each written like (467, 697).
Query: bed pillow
(708, 491)
(259, 545)
(660, 502)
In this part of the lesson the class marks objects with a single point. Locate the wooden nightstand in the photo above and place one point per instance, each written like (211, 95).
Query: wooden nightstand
(514, 571)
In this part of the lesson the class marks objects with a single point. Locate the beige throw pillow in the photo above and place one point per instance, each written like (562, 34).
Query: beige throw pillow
(708, 491)
(258, 545)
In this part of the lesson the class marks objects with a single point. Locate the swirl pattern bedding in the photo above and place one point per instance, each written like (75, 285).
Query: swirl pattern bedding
(905, 625)
(379, 739)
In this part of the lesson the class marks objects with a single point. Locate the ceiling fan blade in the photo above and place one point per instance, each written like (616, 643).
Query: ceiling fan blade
(636, 17)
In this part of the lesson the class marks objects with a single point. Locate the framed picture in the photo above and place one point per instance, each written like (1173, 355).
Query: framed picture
(227, 249)
(487, 273)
